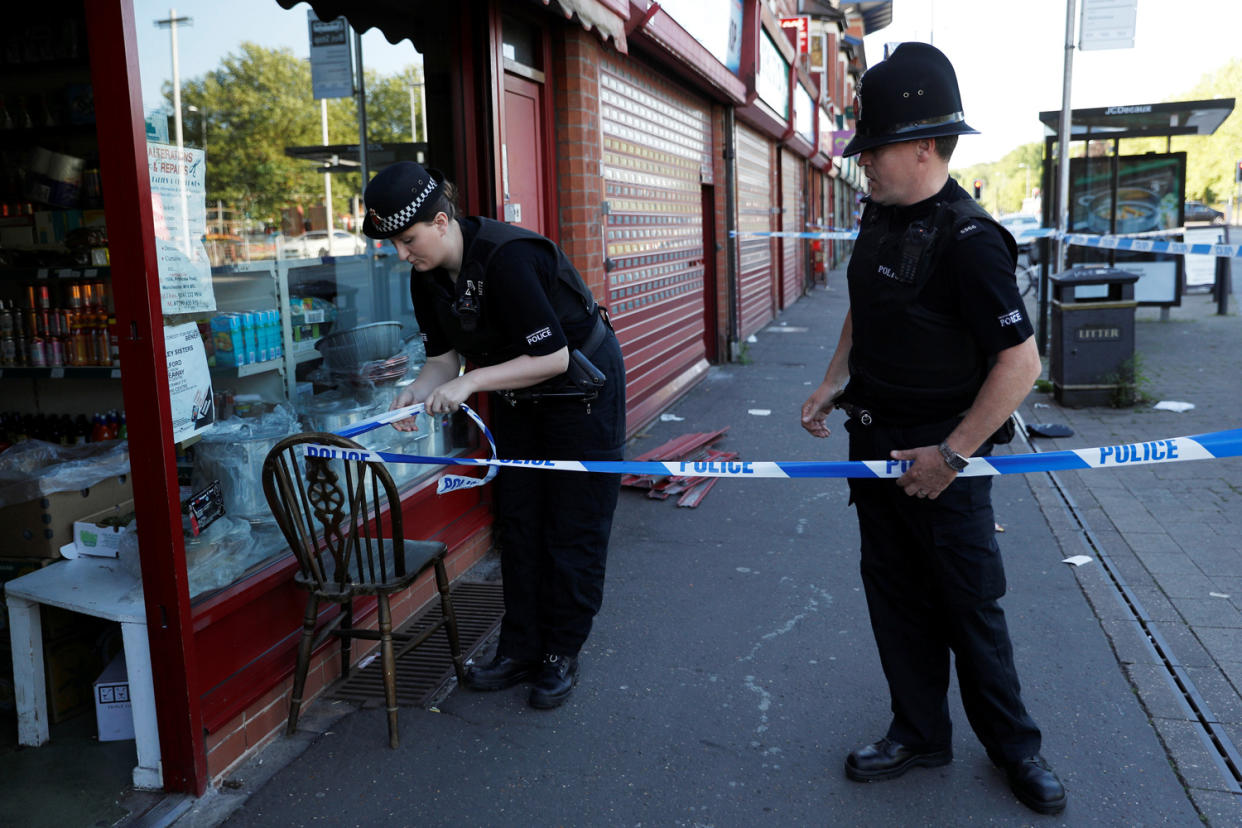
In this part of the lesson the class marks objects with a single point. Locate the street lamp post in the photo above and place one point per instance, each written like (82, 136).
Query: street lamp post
(202, 125)
(171, 23)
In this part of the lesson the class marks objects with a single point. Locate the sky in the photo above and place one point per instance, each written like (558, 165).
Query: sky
(214, 32)
(1009, 56)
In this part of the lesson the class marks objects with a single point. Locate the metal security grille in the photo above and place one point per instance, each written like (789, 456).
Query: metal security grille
(793, 220)
(755, 191)
(655, 155)
(424, 670)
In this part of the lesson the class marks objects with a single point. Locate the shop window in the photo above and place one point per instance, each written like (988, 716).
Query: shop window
(253, 142)
(520, 43)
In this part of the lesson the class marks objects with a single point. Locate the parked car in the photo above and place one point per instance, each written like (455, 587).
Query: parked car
(1017, 224)
(1198, 211)
(313, 244)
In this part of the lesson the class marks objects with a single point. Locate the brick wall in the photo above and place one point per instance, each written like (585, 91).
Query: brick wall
(576, 58)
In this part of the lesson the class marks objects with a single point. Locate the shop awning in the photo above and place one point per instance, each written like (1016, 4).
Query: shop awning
(1156, 120)
(592, 14)
(399, 19)
(876, 14)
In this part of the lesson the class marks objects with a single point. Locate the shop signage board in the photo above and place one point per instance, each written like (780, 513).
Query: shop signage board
(840, 139)
(772, 79)
(819, 52)
(189, 381)
(1107, 24)
(801, 27)
(179, 205)
(715, 24)
(332, 70)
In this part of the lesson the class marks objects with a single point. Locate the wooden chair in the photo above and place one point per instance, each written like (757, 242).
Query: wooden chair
(342, 519)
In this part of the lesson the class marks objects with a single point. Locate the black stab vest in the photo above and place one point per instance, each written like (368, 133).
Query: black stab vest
(906, 357)
(485, 345)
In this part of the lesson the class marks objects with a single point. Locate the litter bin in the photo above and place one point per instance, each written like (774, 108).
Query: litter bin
(1092, 335)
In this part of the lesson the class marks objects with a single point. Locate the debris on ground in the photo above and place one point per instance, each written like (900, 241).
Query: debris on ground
(691, 448)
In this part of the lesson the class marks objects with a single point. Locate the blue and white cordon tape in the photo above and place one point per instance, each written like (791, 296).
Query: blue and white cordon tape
(1213, 445)
(1142, 243)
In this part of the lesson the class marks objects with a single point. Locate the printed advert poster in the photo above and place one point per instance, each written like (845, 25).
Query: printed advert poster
(1130, 195)
(189, 381)
(179, 202)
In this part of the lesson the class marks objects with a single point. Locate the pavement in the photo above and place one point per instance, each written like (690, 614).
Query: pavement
(732, 666)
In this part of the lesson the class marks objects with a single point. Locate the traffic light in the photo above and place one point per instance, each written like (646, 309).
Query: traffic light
(979, 186)
(1237, 173)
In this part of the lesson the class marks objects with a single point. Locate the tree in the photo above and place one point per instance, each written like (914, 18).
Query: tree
(1210, 160)
(259, 102)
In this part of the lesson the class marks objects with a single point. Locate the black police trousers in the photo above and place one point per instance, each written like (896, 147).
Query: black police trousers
(933, 574)
(552, 527)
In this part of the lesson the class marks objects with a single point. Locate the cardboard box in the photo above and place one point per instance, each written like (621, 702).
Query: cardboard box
(39, 528)
(113, 713)
(229, 345)
(70, 664)
(99, 535)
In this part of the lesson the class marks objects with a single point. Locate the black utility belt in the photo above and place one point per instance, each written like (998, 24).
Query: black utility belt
(864, 416)
(581, 380)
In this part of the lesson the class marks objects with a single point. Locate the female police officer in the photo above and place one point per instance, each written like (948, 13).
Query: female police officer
(511, 303)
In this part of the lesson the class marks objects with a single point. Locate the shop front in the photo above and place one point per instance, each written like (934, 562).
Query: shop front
(181, 241)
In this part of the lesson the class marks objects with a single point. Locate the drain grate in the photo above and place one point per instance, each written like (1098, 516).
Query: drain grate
(423, 671)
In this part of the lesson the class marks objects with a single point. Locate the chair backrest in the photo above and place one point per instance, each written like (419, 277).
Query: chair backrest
(335, 515)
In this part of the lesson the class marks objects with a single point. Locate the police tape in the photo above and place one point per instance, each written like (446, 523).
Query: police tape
(1141, 243)
(1213, 445)
(447, 483)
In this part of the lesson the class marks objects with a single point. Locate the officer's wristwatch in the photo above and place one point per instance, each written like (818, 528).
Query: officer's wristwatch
(952, 459)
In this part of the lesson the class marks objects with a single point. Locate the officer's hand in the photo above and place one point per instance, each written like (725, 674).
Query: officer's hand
(929, 476)
(448, 397)
(816, 409)
(404, 398)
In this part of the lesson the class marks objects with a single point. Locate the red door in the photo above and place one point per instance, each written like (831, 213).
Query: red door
(522, 157)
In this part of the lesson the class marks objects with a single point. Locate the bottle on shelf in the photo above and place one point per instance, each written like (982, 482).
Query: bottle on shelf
(38, 354)
(67, 432)
(99, 429)
(81, 430)
(22, 119)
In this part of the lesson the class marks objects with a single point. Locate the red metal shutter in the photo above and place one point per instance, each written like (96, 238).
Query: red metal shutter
(755, 192)
(657, 144)
(793, 220)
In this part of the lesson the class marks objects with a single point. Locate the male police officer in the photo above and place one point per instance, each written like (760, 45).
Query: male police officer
(935, 354)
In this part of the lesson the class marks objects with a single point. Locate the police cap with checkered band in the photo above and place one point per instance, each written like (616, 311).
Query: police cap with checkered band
(913, 94)
(402, 194)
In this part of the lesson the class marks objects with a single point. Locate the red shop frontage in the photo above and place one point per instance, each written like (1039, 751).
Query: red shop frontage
(180, 228)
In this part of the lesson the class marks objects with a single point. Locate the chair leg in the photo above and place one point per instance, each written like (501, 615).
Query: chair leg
(450, 622)
(347, 623)
(388, 661)
(299, 671)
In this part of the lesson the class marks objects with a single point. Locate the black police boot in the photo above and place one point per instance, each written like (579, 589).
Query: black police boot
(1035, 784)
(499, 673)
(555, 681)
(887, 759)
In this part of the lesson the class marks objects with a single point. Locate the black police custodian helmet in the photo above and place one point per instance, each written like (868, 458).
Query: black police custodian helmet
(400, 195)
(913, 94)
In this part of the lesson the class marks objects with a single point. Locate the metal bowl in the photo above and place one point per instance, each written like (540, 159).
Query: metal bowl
(345, 351)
